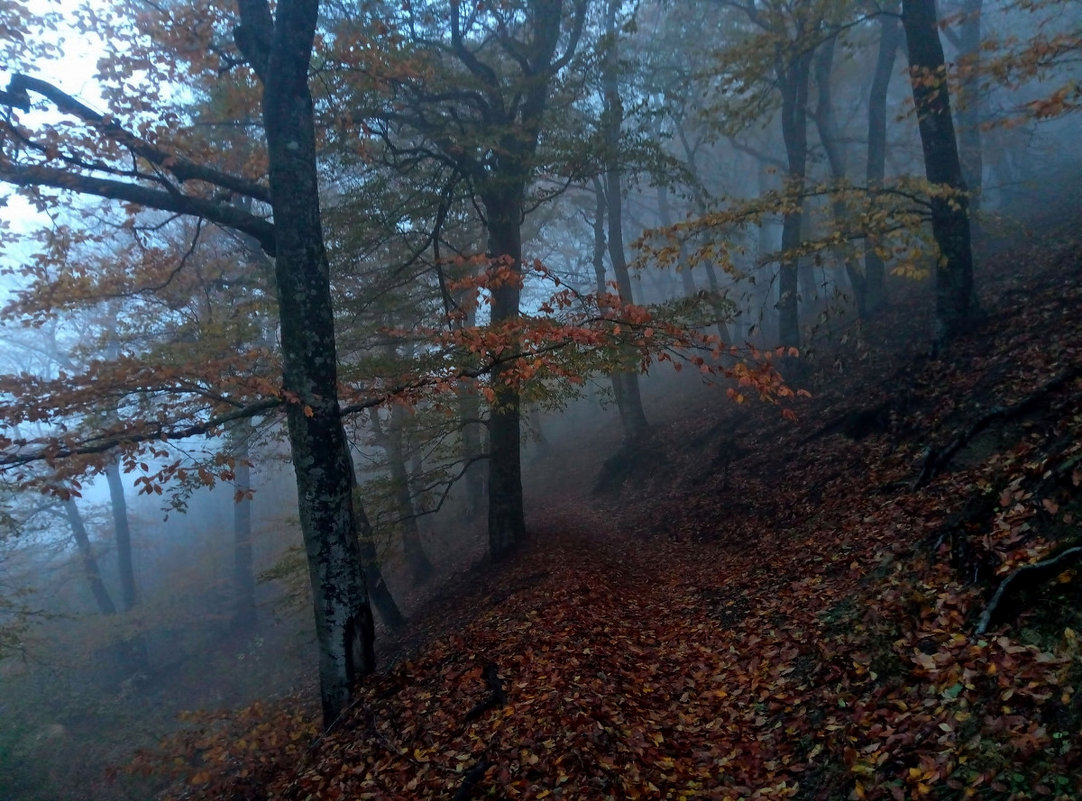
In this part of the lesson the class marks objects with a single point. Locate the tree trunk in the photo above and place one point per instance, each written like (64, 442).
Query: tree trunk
(382, 600)
(826, 126)
(598, 257)
(243, 570)
(664, 214)
(90, 562)
(122, 534)
(969, 111)
(391, 439)
(514, 126)
(793, 76)
(506, 515)
(890, 37)
(469, 411)
(279, 50)
(702, 206)
(473, 430)
(955, 306)
(625, 383)
(117, 501)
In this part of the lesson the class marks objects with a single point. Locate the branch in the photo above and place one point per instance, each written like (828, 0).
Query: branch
(223, 214)
(760, 155)
(180, 168)
(479, 70)
(254, 34)
(102, 444)
(573, 41)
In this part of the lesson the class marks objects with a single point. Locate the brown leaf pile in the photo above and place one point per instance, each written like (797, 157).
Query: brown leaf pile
(799, 624)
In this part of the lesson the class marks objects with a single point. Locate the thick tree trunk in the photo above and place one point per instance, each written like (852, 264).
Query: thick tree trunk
(279, 50)
(514, 126)
(890, 37)
(955, 306)
(122, 534)
(90, 561)
(506, 515)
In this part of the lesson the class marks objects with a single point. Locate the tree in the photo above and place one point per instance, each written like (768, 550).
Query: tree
(392, 439)
(790, 36)
(89, 559)
(277, 46)
(485, 120)
(625, 383)
(955, 301)
(278, 49)
(890, 37)
(967, 40)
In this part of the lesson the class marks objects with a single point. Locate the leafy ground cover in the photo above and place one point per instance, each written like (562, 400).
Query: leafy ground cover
(879, 600)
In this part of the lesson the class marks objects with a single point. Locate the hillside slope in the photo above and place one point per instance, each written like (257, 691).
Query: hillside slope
(833, 608)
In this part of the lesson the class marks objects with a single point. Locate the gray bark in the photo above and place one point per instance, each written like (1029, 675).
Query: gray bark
(90, 562)
(826, 126)
(955, 303)
(625, 383)
(392, 441)
(244, 611)
(122, 533)
(279, 50)
(793, 75)
(890, 38)
(969, 111)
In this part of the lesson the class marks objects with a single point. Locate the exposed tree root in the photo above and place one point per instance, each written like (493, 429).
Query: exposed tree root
(936, 460)
(496, 698)
(470, 779)
(1022, 578)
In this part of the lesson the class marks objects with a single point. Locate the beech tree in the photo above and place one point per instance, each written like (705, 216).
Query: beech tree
(481, 111)
(955, 300)
(890, 37)
(277, 46)
(625, 383)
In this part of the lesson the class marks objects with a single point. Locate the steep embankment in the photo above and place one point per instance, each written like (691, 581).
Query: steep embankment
(768, 609)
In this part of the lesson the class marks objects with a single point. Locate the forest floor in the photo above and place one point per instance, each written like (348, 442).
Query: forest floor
(879, 600)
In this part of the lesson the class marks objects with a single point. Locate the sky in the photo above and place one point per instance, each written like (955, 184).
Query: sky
(74, 73)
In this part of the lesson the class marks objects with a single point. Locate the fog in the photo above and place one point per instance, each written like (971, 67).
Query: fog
(152, 555)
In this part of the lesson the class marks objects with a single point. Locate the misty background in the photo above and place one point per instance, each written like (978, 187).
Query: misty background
(149, 581)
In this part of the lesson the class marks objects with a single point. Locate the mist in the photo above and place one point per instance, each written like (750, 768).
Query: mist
(575, 260)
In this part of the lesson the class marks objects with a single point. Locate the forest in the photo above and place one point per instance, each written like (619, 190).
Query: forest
(585, 399)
